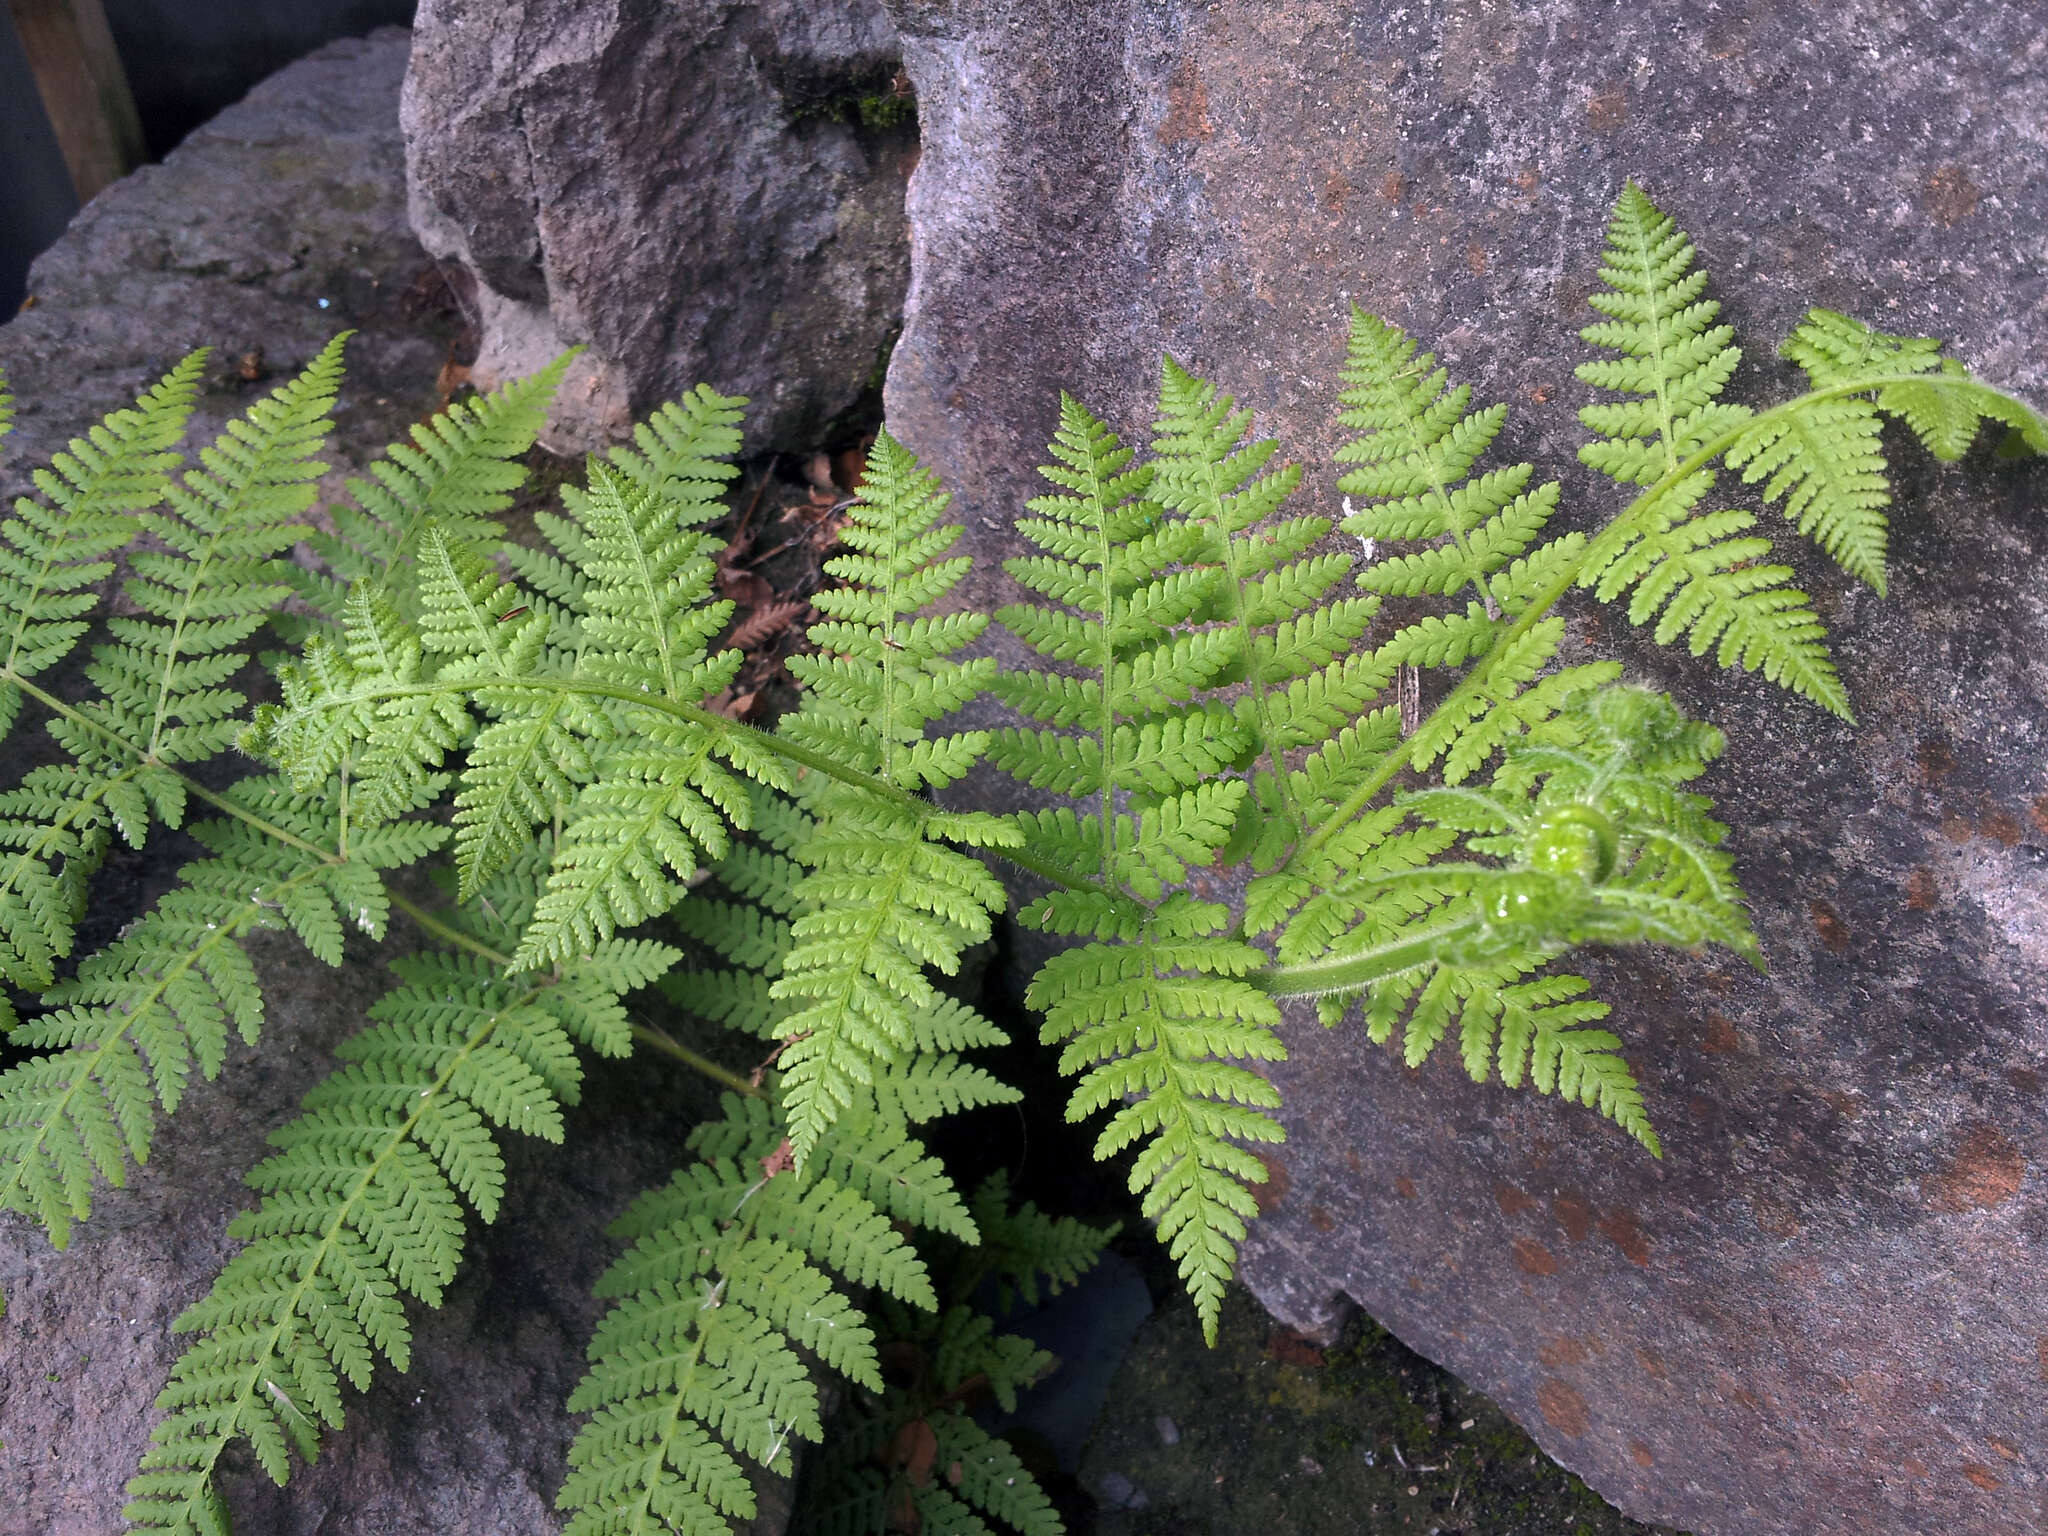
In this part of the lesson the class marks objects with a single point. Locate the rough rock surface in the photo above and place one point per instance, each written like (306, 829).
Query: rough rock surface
(1824, 1311)
(695, 192)
(294, 196)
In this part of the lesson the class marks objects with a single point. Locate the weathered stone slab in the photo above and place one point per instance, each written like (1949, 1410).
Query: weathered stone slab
(276, 225)
(705, 191)
(1825, 1310)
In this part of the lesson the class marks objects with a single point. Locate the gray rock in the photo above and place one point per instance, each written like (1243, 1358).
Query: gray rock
(690, 190)
(273, 227)
(295, 196)
(1824, 1311)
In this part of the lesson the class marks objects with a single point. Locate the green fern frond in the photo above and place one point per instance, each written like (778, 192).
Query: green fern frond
(883, 898)
(211, 586)
(1934, 395)
(126, 1033)
(1826, 463)
(1583, 836)
(659, 801)
(1156, 1021)
(1687, 570)
(682, 454)
(361, 1206)
(1481, 537)
(1674, 359)
(54, 551)
(1419, 443)
(1022, 1247)
(1157, 1027)
(1823, 456)
(458, 472)
(1292, 650)
(909, 1447)
(161, 695)
(727, 1274)
(1698, 578)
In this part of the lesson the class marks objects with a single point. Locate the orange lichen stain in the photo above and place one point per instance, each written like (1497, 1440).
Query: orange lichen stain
(1512, 1201)
(1639, 1453)
(1529, 180)
(1392, 186)
(1934, 759)
(1619, 1228)
(1533, 1258)
(1985, 1171)
(2037, 813)
(1404, 1187)
(2002, 827)
(1921, 895)
(1563, 1409)
(1847, 1105)
(1607, 111)
(1290, 1348)
(1475, 258)
(1564, 1350)
(1353, 1161)
(1721, 1038)
(1274, 1190)
(1321, 1219)
(1652, 1363)
(1914, 1465)
(2026, 1079)
(1982, 1476)
(1949, 195)
(1955, 829)
(1834, 933)
(1336, 187)
(1748, 1399)
(2004, 1448)
(1187, 107)
(1774, 1216)
(1415, 1283)
(1574, 1215)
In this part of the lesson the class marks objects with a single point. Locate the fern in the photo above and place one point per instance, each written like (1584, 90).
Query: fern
(458, 471)
(1433, 815)
(730, 1272)
(141, 1014)
(51, 556)
(564, 730)
(909, 1454)
(1156, 1020)
(882, 897)
(161, 700)
(1692, 573)
(1301, 682)
(361, 1207)
(1419, 444)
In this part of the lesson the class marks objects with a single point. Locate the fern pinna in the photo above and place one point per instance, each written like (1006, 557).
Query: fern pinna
(361, 1202)
(883, 896)
(1301, 762)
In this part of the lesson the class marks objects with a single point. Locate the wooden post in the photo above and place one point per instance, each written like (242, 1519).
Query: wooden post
(84, 89)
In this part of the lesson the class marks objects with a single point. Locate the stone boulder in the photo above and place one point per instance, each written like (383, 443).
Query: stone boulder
(704, 191)
(1825, 1310)
(271, 228)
